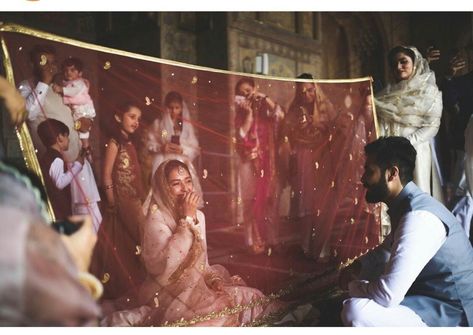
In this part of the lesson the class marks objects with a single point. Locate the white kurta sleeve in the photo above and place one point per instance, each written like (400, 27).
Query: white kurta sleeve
(155, 137)
(424, 134)
(417, 239)
(60, 178)
(34, 97)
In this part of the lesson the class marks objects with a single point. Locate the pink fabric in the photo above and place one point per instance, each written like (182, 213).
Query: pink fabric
(262, 134)
(170, 248)
(82, 97)
(39, 283)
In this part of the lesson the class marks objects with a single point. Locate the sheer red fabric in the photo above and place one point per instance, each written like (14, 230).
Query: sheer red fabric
(257, 235)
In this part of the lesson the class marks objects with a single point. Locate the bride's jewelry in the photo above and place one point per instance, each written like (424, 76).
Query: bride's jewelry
(190, 219)
(181, 170)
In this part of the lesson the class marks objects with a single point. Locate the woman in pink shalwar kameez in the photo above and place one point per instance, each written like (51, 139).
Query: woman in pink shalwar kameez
(181, 287)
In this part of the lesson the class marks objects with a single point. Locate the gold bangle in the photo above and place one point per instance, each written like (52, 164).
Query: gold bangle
(189, 219)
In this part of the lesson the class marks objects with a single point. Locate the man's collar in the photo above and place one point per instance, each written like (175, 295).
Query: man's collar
(406, 190)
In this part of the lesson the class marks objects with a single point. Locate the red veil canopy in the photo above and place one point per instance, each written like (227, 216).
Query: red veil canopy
(344, 227)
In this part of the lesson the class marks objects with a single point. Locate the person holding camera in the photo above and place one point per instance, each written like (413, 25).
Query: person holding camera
(173, 137)
(43, 276)
(256, 124)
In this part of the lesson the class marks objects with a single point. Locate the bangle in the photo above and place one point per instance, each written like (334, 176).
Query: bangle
(190, 219)
(107, 187)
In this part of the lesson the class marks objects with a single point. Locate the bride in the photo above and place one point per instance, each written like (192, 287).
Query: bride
(181, 286)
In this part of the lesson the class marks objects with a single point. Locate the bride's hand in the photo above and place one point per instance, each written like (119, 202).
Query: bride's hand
(189, 204)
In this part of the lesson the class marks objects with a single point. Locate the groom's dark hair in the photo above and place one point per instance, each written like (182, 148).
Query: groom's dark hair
(394, 151)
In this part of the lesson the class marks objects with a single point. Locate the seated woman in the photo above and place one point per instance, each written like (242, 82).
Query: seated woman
(181, 286)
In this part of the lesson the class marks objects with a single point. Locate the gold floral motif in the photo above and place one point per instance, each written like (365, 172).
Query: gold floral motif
(190, 259)
(43, 60)
(126, 178)
(154, 208)
(105, 278)
(126, 163)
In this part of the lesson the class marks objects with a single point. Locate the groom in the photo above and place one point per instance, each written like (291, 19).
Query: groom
(424, 266)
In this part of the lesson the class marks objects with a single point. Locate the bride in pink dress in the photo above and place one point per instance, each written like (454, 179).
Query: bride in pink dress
(181, 287)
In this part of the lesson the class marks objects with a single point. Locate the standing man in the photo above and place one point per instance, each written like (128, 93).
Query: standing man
(42, 102)
(422, 274)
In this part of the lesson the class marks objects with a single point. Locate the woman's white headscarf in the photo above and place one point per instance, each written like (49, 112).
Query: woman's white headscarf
(187, 135)
(415, 102)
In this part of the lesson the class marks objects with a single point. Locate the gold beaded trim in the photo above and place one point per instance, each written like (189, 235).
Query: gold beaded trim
(232, 310)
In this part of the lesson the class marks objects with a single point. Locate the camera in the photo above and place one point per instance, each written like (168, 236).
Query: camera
(66, 227)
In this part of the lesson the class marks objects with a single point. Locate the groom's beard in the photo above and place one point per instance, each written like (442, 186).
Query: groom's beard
(377, 192)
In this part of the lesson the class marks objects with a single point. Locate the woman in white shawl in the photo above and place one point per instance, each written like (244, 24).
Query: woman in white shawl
(411, 106)
(173, 137)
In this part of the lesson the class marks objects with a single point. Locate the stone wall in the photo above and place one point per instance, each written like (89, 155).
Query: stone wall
(286, 38)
